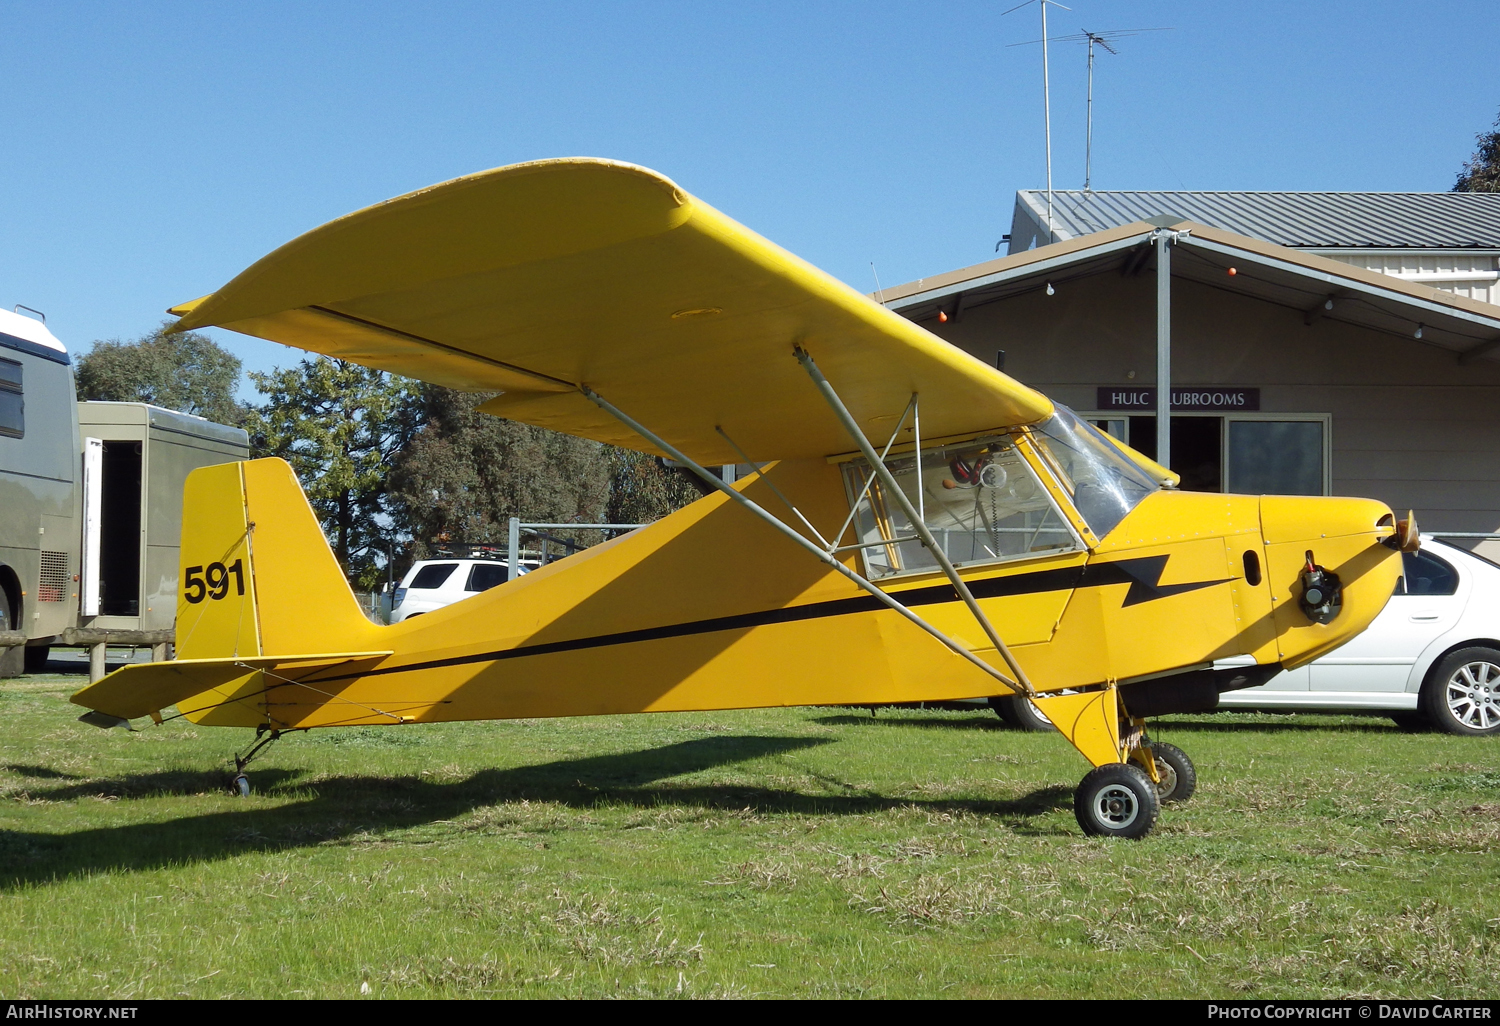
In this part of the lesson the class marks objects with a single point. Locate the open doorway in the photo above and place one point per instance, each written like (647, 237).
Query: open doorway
(120, 530)
(1197, 449)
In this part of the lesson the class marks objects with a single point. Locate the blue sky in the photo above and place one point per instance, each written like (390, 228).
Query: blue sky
(153, 150)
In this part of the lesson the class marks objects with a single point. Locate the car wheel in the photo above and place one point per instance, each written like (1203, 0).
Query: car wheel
(1178, 777)
(1462, 696)
(1117, 800)
(1020, 713)
(36, 658)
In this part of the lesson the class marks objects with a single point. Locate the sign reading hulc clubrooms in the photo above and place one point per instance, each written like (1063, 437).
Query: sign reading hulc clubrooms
(1125, 397)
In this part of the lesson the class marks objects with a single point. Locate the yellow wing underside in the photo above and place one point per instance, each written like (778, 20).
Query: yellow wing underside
(536, 279)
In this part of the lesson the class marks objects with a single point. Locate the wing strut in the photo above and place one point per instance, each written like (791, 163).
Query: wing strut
(718, 483)
(913, 515)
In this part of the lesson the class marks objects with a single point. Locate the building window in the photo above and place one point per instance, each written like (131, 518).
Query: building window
(1244, 453)
(1276, 457)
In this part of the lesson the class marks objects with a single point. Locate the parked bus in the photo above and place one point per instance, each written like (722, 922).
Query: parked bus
(90, 506)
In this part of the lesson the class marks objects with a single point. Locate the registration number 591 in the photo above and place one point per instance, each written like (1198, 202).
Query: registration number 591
(212, 582)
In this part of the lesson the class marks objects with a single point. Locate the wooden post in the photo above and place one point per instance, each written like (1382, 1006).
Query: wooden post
(96, 661)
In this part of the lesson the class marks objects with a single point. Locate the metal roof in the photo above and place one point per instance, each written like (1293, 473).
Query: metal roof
(1303, 220)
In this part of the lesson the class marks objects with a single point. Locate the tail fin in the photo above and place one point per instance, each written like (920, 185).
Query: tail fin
(258, 577)
(260, 590)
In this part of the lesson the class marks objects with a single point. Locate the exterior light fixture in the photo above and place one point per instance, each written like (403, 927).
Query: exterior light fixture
(1050, 290)
(1418, 332)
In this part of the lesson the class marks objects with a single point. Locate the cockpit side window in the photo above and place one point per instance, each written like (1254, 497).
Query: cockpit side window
(980, 499)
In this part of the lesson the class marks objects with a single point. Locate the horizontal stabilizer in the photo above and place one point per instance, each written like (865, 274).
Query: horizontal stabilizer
(140, 690)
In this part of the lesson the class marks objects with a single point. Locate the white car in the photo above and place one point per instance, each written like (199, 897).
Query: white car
(434, 583)
(1431, 658)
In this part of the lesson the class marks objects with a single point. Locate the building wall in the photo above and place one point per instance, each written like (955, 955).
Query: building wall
(1410, 426)
(1475, 275)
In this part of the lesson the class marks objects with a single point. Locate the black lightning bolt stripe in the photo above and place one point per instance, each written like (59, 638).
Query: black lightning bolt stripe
(1141, 573)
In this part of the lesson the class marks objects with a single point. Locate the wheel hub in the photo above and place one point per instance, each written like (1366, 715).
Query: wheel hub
(1116, 806)
(1166, 777)
(1471, 695)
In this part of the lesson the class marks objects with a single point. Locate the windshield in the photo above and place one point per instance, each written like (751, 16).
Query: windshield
(980, 499)
(1104, 482)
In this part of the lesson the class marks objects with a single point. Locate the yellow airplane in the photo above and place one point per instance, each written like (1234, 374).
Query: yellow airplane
(922, 527)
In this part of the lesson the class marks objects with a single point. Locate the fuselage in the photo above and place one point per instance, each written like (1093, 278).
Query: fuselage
(710, 609)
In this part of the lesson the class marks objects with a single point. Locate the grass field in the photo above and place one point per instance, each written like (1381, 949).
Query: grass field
(817, 852)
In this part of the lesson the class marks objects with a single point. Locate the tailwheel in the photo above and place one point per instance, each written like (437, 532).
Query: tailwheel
(264, 738)
(1117, 800)
(1177, 777)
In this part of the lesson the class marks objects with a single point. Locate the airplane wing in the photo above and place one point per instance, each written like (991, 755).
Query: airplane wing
(539, 278)
(146, 688)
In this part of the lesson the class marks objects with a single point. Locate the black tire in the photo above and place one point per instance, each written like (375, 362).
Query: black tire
(1462, 693)
(1019, 713)
(12, 660)
(1117, 800)
(1412, 722)
(1178, 777)
(240, 786)
(36, 658)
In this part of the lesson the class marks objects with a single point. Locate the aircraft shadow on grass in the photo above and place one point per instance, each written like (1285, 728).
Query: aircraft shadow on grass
(894, 718)
(343, 807)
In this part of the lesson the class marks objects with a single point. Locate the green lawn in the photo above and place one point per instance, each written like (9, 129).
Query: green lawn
(812, 852)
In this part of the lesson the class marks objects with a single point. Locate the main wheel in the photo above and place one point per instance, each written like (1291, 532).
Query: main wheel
(1019, 712)
(1178, 777)
(241, 785)
(1117, 800)
(1463, 694)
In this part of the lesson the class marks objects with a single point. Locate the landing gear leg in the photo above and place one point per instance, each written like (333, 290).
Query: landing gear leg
(1118, 798)
(264, 737)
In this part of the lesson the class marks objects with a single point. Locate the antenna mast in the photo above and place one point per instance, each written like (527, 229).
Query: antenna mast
(1088, 148)
(1046, 98)
(1103, 39)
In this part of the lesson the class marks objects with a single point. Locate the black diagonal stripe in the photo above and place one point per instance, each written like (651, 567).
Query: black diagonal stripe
(1141, 574)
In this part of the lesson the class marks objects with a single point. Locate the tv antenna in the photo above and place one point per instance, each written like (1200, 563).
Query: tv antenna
(1046, 95)
(1106, 40)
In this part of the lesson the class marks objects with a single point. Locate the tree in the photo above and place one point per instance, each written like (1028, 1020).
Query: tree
(643, 488)
(341, 427)
(1482, 171)
(185, 371)
(465, 474)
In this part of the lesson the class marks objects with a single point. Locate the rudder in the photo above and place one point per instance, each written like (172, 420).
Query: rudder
(257, 575)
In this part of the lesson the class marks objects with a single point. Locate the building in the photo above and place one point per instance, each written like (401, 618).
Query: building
(1293, 369)
(1449, 240)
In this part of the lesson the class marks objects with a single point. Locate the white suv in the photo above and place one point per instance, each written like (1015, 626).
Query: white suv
(434, 583)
